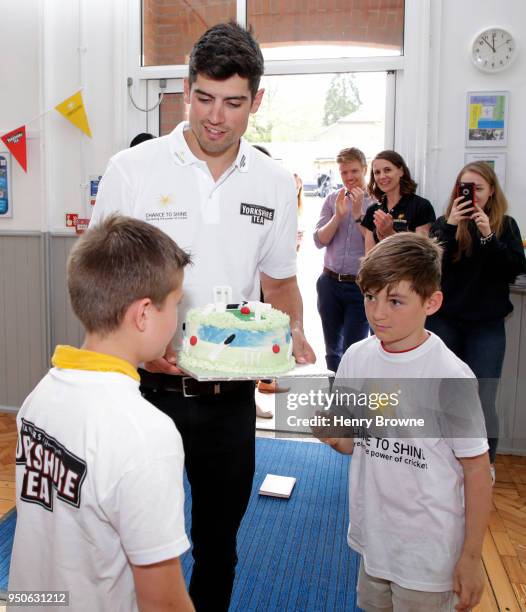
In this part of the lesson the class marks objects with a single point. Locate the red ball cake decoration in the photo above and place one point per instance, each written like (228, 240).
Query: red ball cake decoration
(275, 348)
(193, 340)
(245, 310)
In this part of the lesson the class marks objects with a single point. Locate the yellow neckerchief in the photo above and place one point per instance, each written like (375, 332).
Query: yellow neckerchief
(71, 358)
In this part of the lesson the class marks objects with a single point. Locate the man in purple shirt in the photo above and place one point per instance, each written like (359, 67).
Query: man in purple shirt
(339, 230)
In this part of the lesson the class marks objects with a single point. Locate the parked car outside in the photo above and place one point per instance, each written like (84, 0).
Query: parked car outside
(310, 188)
(321, 186)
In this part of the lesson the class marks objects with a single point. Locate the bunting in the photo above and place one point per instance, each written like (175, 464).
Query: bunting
(15, 141)
(73, 110)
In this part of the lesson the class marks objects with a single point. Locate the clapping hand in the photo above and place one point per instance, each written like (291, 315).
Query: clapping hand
(383, 223)
(342, 205)
(356, 195)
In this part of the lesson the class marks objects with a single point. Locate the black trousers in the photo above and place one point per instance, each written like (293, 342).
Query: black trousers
(218, 433)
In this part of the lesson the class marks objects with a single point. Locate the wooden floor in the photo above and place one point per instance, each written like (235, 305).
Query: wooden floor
(504, 551)
(7, 462)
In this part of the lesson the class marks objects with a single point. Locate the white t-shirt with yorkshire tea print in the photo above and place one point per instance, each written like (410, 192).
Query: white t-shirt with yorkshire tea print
(99, 486)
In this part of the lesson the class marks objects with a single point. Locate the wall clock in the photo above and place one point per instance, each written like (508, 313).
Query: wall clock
(493, 50)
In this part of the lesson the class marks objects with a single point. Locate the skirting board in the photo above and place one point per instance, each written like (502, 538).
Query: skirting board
(12, 409)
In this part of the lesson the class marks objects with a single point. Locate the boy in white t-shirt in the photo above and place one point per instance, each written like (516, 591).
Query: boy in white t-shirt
(99, 490)
(419, 506)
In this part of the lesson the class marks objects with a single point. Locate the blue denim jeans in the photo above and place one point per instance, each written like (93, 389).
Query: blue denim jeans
(482, 346)
(343, 319)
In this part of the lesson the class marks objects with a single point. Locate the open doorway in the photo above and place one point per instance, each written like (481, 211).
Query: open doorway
(303, 121)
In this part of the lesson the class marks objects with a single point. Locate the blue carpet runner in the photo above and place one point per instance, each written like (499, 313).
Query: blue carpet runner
(7, 532)
(293, 554)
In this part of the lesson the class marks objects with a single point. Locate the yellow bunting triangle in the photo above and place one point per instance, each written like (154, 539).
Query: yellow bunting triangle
(73, 110)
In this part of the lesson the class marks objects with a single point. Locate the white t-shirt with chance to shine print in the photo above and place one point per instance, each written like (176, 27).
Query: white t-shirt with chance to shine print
(407, 494)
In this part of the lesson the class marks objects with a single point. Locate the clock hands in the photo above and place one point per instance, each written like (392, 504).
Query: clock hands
(492, 47)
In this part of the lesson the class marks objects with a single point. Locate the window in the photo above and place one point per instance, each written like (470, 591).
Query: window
(170, 27)
(300, 29)
(285, 29)
(332, 73)
(304, 120)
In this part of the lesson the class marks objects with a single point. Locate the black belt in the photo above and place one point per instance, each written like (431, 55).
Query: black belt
(188, 386)
(343, 278)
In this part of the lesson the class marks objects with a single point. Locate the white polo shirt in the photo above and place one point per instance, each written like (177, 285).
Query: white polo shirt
(235, 228)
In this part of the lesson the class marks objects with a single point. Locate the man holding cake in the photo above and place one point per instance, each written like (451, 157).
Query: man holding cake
(234, 209)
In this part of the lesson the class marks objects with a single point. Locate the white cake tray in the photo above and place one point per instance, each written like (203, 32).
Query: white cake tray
(306, 370)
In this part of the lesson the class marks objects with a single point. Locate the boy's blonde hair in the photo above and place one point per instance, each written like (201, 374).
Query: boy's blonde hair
(405, 256)
(117, 262)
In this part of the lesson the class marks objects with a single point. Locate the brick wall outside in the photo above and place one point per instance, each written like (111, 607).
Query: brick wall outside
(172, 26)
(171, 112)
(372, 22)
(149, 30)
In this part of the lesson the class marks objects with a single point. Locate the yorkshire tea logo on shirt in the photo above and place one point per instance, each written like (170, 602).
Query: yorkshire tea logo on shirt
(48, 466)
(259, 214)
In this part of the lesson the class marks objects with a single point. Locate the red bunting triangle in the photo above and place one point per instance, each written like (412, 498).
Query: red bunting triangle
(15, 141)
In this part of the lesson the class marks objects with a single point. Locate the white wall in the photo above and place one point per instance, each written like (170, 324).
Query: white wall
(40, 65)
(49, 50)
(453, 74)
(19, 103)
(71, 155)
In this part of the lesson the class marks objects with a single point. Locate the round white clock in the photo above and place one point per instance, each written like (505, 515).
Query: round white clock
(493, 50)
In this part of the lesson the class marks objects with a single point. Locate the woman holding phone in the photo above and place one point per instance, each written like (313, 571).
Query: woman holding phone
(483, 254)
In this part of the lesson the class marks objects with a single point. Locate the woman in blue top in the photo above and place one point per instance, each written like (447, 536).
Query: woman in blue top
(483, 254)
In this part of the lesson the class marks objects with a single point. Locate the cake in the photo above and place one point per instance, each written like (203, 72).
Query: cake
(250, 339)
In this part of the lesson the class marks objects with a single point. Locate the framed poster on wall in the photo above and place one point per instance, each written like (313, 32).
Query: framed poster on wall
(6, 201)
(487, 119)
(496, 160)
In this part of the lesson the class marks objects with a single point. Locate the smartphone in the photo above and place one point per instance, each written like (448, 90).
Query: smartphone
(467, 191)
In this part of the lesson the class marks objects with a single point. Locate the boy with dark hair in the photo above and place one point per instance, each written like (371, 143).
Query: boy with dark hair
(419, 506)
(99, 469)
(201, 184)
